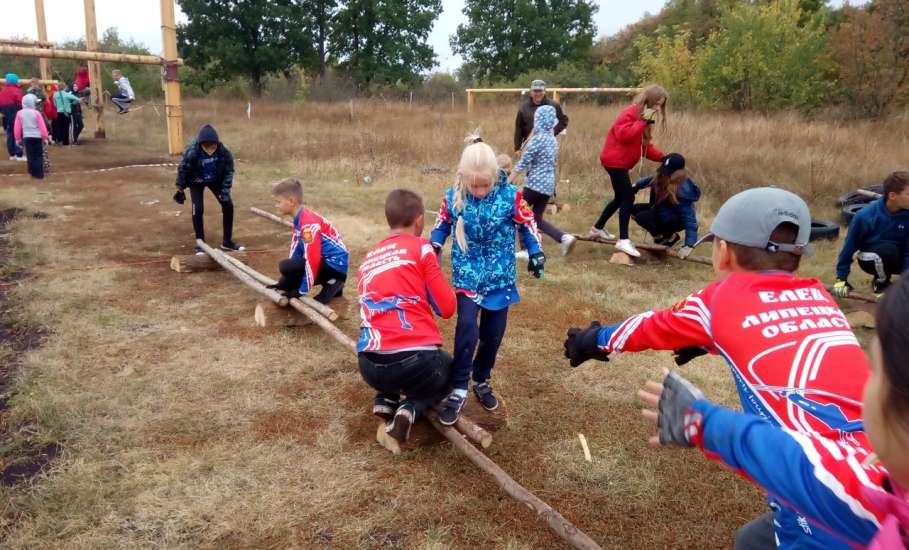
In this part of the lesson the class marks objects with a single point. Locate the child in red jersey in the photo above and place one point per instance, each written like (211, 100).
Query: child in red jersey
(795, 361)
(317, 253)
(400, 285)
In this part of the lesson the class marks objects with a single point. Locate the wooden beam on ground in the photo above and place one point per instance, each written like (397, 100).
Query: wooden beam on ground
(323, 323)
(651, 247)
(270, 216)
(244, 277)
(94, 69)
(41, 23)
(173, 105)
(53, 53)
(559, 525)
(858, 296)
(192, 263)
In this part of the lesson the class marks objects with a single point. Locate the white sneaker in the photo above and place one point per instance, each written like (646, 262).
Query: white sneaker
(522, 255)
(626, 246)
(595, 233)
(21, 159)
(568, 242)
(13, 158)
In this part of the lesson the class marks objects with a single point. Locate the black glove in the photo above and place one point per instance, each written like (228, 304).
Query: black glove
(180, 196)
(536, 263)
(581, 345)
(675, 401)
(225, 196)
(438, 250)
(685, 355)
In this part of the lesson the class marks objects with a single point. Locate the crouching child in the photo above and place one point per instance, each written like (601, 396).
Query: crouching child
(400, 286)
(318, 256)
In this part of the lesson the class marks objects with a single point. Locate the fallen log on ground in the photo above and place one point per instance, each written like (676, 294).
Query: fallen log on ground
(192, 263)
(659, 249)
(245, 278)
(270, 216)
(853, 295)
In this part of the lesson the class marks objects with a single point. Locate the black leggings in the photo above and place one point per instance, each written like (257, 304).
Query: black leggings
(537, 202)
(646, 216)
(623, 198)
(294, 270)
(34, 154)
(196, 192)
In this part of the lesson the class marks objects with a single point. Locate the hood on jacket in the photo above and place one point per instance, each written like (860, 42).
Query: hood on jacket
(12, 78)
(29, 101)
(208, 133)
(545, 118)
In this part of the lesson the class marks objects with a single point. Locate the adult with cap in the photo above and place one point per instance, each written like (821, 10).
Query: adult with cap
(794, 360)
(10, 104)
(671, 205)
(523, 123)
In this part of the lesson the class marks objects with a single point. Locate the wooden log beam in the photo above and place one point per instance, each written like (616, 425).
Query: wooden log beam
(244, 277)
(42, 42)
(30, 43)
(559, 525)
(269, 314)
(53, 53)
(323, 323)
(170, 77)
(94, 70)
(858, 296)
(270, 216)
(192, 263)
(651, 247)
(467, 428)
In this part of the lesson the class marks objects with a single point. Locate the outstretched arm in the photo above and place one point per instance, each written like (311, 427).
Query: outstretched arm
(444, 221)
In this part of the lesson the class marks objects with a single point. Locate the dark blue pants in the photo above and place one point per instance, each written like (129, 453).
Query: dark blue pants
(9, 121)
(34, 154)
(468, 356)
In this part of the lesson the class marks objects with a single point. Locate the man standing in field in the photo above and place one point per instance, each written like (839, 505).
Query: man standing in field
(523, 123)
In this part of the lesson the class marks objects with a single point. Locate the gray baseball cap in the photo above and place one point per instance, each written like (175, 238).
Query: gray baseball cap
(537, 85)
(749, 218)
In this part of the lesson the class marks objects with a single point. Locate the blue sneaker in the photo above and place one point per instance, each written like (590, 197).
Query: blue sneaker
(399, 427)
(452, 409)
(485, 396)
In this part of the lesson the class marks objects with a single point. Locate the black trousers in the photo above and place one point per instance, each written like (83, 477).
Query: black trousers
(537, 202)
(196, 193)
(9, 121)
(422, 376)
(646, 216)
(34, 154)
(294, 270)
(758, 534)
(60, 128)
(881, 260)
(77, 124)
(622, 200)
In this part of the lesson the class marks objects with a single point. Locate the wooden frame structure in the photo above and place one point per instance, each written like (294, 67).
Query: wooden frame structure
(169, 62)
(556, 93)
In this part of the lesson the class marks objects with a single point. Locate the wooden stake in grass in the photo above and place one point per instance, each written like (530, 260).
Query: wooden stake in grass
(270, 216)
(584, 446)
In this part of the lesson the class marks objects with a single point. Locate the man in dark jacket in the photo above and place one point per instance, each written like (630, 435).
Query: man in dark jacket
(207, 163)
(523, 123)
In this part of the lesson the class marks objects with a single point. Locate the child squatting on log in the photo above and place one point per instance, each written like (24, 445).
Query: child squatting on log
(841, 490)
(484, 210)
(401, 285)
(318, 256)
(208, 164)
(793, 357)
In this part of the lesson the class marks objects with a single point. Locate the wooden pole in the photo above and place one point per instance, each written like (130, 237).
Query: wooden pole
(561, 526)
(173, 106)
(42, 38)
(94, 69)
(651, 247)
(270, 216)
(31, 43)
(221, 258)
(53, 53)
(471, 101)
(556, 96)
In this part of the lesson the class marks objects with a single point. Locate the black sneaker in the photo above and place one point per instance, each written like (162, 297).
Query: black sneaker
(452, 409)
(384, 408)
(878, 287)
(485, 396)
(199, 251)
(667, 240)
(399, 426)
(231, 246)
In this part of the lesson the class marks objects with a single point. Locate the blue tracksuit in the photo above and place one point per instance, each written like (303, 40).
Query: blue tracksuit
(873, 225)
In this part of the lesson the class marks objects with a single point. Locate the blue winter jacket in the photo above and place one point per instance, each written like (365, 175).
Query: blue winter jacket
(871, 225)
(489, 228)
(667, 212)
(542, 151)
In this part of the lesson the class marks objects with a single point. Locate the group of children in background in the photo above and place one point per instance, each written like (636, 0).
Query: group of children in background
(58, 106)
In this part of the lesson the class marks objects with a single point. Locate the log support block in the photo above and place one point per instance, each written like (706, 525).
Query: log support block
(269, 314)
(647, 257)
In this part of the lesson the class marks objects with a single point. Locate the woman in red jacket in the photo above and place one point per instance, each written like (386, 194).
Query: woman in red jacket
(627, 141)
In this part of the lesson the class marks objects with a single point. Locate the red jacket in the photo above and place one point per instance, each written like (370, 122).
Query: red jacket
(82, 80)
(50, 108)
(11, 94)
(400, 286)
(625, 141)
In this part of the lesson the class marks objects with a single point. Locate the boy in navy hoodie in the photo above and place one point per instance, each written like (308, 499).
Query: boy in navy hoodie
(207, 163)
(878, 238)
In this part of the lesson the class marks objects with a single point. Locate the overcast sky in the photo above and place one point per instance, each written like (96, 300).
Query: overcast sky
(140, 20)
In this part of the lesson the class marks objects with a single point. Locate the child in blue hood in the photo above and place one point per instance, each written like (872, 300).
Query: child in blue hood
(207, 163)
(485, 211)
(670, 208)
(538, 160)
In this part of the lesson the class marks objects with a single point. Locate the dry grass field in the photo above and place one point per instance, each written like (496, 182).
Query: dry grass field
(175, 423)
